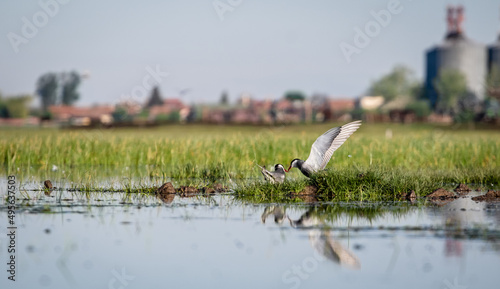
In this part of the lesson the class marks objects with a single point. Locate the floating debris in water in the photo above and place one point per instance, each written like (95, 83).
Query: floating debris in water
(48, 184)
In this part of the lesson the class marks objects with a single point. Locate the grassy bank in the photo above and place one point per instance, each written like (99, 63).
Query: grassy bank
(392, 157)
(367, 184)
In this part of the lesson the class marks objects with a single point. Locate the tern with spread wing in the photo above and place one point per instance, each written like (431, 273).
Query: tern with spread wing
(324, 147)
(278, 176)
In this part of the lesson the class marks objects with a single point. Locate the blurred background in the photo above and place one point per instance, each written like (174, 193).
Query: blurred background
(127, 63)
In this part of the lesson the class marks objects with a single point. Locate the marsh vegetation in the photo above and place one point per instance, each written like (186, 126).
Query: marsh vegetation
(380, 160)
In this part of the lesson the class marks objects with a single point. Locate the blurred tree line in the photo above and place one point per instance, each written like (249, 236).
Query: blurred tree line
(15, 106)
(58, 88)
(401, 83)
(53, 88)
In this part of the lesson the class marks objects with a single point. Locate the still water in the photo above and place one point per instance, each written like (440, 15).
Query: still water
(110, 240)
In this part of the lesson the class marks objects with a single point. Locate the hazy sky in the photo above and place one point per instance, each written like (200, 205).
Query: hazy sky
(261, 47)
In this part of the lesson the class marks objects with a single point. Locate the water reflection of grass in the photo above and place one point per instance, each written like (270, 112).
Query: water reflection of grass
(333, 213)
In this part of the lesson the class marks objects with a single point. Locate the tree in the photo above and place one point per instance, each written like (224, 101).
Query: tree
(155, 98)
(120, 114)
(451, 87)
(399, 82)
(421, 107)
(49, 84)
(70, 82)
(295, 95)
(224, 98)
(47, 89)
(17, 107)
(3, 108)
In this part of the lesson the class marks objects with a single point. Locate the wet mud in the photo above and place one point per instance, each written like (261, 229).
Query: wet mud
(490, 196)
(462, 189)
(167, 191)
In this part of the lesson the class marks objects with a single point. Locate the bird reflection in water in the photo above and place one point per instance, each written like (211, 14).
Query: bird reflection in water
(277, 211)
(320, 237)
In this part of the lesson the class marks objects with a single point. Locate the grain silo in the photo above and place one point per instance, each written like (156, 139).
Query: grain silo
(494, 69)
(456, 52)
(494, 55)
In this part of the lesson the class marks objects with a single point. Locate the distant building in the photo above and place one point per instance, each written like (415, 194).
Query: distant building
(371, 102)
(131, 107)
(332, 109)
(82, 116)
(167, 107)
(457, 52)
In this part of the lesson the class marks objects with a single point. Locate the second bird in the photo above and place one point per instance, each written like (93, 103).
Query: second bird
(278, 176)
(324, 147)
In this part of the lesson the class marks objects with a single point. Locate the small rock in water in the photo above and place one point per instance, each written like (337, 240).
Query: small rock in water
(441, 197)
(48, 187)
(48, 184)
(462, 189)
(491, 195)
(166, 193)
(209, 191)
(220, 188)
(441, 194)
(188, 191)
(166, 188)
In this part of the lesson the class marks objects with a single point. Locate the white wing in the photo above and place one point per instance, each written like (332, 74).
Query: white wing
(325, 145)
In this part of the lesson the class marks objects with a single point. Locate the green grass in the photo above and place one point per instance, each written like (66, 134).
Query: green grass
(369, 184)
(417, 157)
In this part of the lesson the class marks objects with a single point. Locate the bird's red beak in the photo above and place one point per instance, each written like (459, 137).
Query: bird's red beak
(288, 169)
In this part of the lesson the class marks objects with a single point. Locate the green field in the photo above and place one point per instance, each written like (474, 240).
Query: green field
(416, 156)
